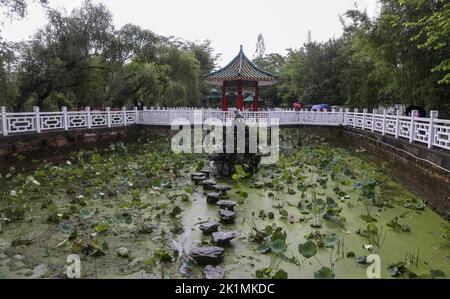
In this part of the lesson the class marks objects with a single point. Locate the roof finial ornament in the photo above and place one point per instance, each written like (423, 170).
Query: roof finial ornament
(241, 48)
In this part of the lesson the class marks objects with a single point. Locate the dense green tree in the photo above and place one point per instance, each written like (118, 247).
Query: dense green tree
(260, 51)
(8, 86)
(401, 56)
(66, 56)
(11, 9)
(80, 59)
(16, 8)
(433, 23)
(401, 71)
(271, 63)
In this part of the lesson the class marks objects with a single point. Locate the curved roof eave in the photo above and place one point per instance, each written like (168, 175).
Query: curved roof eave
(241, 68)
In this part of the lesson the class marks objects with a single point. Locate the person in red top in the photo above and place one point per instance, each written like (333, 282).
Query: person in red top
(297, 106)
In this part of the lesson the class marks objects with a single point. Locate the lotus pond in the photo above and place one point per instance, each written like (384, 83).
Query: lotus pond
(133, 211)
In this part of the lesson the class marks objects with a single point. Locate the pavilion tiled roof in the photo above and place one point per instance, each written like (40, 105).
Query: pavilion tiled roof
(240, 68)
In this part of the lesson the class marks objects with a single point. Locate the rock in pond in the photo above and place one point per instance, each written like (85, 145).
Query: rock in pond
(198, 179)
(209, 184)
(223, 238)
(222, 189)
(212, 272)
(226, 204)
(209, 227)
(227, 216)
(18, 257)
(198, 174)
(40, 271)
(212, 255)
(212, 198)
(123, 252)
(207, 173)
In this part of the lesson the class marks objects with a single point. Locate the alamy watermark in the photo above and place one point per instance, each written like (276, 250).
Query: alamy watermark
(73, 267)
(374, 268)
(230, 136)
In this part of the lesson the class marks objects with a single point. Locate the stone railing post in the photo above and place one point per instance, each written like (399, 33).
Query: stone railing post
(397, 124)
(124, 113)
(65, 118)
(354, 120)
(143, 113)
(383, 129)
(433, 115)
(346, 111)
(88, 116)
(37, 117)
(171, 113)
(135, 114)
(374, 114)
(364, 118)
(108, 116)
(414, 113)
(4, 122)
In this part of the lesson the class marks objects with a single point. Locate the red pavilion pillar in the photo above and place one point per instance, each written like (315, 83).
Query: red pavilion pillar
(224, 97)
(256, 98)
(240, 98)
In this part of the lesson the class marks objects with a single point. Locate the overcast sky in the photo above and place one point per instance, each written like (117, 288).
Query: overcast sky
(227, 23)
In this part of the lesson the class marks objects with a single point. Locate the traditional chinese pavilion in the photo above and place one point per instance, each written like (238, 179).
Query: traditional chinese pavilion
(241, 76)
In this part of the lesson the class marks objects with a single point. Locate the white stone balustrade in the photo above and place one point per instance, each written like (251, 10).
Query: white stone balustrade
(432, 131)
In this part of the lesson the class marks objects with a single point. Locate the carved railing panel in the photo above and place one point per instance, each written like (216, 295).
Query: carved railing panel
(431, 131)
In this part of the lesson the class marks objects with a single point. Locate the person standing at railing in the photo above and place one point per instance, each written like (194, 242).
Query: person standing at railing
(422, 112)
(140, 105)
(297, 106)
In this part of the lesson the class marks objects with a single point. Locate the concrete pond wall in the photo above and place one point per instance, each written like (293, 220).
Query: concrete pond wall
(424, 171)
(57, 146)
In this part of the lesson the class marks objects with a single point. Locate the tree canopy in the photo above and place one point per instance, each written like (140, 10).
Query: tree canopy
(81, 59)
(401, 56)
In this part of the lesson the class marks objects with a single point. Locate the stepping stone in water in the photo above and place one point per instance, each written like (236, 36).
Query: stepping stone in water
(212, 198)
(227, 216)
(198, 174)
(209, 227)
(226, 204)
(123, 252)
(212, 272)
(223, 238)
(208, 184)
(206, 173)
(198, 179)
(212, 255)
(222, 189)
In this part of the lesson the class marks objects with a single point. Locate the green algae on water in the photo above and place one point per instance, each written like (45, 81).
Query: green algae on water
(140, 197)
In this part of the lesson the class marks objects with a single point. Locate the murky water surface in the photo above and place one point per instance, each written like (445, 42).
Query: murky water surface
(138, 200)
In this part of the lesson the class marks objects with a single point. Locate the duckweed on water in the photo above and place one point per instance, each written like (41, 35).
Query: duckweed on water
(134, 212)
